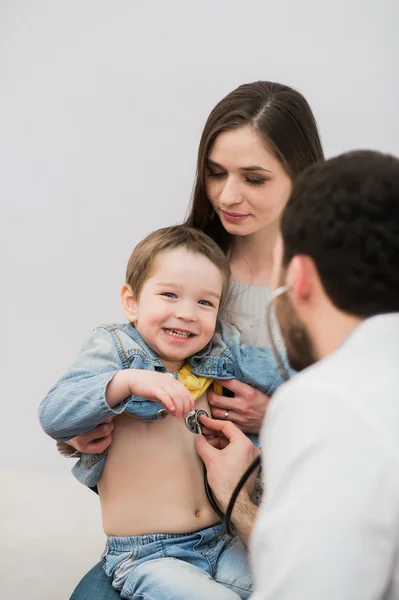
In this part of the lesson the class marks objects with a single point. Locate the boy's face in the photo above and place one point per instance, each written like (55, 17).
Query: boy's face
(178, 304)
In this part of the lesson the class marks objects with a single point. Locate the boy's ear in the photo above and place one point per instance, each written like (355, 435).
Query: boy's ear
(129, 303)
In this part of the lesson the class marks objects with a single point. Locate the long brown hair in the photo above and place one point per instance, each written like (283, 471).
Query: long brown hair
(285, 122)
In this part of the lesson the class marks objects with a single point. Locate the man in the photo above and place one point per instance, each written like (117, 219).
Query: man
(328, 526)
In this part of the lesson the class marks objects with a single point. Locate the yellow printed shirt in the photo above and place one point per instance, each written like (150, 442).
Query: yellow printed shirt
(196, 384)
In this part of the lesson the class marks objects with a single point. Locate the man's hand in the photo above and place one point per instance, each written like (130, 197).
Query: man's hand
(226, 457)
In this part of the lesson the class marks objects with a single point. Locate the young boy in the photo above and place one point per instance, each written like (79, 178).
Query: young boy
(145, 373)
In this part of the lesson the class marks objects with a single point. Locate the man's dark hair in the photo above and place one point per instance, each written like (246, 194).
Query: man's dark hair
(344, 214)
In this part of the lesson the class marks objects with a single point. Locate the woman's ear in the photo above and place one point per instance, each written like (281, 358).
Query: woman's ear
(129, 303)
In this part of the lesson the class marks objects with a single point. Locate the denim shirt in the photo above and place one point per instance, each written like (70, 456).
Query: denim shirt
(77, 404)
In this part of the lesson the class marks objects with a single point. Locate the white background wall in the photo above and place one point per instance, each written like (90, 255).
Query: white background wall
(101, 109)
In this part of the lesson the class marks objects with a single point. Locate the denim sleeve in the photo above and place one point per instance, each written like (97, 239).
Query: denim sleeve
(89, 467)
(255, 366)
(76, 403)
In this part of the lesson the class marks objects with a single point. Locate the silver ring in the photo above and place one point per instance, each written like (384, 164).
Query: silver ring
(226, 414)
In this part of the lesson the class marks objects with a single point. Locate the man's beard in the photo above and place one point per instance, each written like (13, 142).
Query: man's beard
(297, 340)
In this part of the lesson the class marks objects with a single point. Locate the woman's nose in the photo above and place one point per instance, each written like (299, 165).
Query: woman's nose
(231, 193)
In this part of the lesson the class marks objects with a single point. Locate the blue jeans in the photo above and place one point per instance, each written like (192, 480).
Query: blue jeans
(95, 584)
(200, 565)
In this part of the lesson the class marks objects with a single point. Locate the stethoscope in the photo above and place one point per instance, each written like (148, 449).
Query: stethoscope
(257, 462)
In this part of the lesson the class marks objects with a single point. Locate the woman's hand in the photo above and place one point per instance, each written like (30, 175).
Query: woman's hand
(96, 440)
(246, 410)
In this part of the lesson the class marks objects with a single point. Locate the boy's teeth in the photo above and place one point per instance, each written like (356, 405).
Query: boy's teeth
(178, 333)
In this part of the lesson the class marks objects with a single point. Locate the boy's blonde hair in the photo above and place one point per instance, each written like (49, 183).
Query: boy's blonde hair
(169, 238)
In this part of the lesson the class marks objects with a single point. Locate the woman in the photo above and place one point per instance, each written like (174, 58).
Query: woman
(254, 144)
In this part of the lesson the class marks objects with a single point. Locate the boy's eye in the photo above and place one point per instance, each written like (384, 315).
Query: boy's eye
(205, 303)
(169, 294)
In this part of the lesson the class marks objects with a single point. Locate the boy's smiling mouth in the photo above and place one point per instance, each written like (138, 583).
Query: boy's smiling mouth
(179, 333)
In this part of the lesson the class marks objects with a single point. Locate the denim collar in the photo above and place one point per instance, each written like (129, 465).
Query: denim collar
(134, 334)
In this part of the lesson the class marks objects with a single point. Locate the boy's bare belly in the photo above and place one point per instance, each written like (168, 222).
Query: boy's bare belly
(152, 481)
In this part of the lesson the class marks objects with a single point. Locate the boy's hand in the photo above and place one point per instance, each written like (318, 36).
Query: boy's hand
(163, 388)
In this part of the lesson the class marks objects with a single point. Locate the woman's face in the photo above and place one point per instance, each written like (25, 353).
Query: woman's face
(247, 187)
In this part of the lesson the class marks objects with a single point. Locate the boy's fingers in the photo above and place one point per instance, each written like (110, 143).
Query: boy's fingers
(166, 400)
(179, 407)
(188, 402)
(184, 397)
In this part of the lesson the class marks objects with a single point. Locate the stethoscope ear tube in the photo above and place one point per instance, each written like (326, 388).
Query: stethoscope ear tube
(256, 463)
(211, 497)
(227, 517)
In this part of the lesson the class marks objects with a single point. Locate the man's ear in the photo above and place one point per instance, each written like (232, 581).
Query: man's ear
(129, 303)
(301, 277)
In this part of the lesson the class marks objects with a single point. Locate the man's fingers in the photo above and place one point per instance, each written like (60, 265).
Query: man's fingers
(206, 432)
(204, 449)
(218, 442)
(229, 430)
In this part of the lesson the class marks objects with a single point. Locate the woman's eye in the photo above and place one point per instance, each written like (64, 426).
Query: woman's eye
(255, 181)
(169, 295)
(218, 175)
(205, 303)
